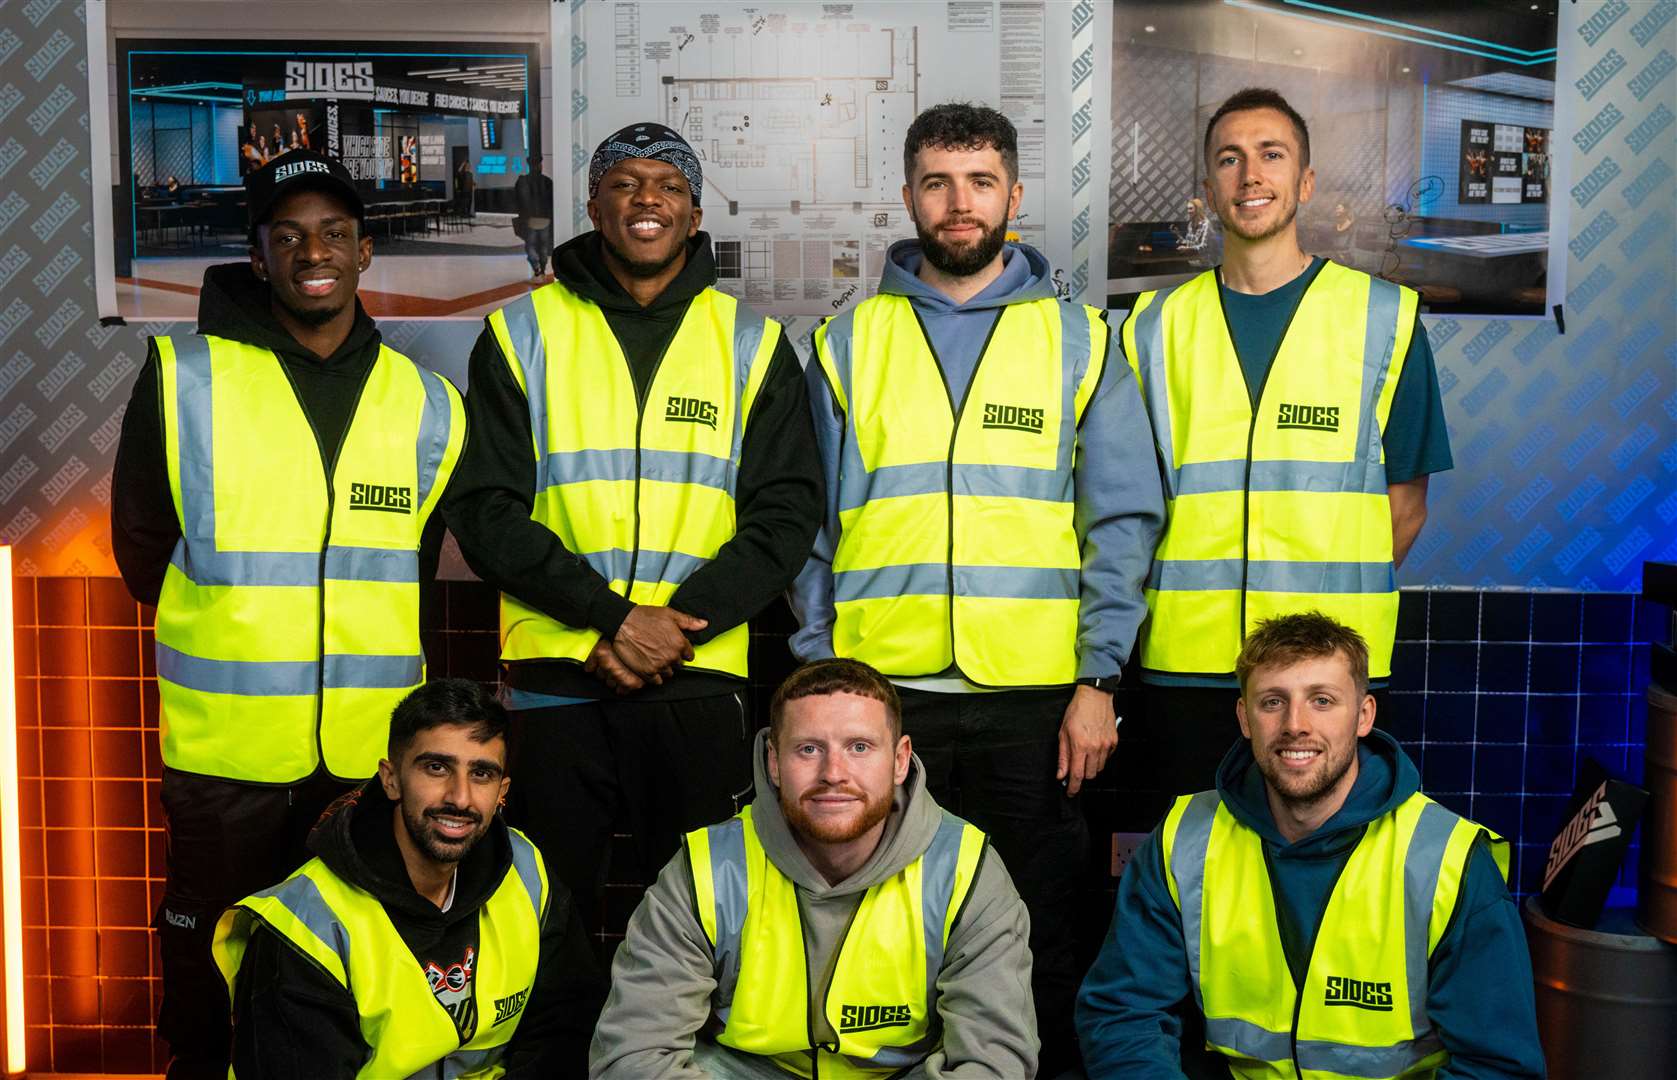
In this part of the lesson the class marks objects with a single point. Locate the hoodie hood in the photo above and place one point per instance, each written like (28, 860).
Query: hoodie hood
(235, 304)
(1385, 778)
(356, 840)
(579, 264)
(909, 830)
(1025, 276)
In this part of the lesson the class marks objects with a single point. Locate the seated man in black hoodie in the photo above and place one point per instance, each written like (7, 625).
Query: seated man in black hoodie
(420, 896)
(273, 497)
(642, 479)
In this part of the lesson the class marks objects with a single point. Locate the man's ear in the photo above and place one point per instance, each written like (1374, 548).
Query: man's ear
(1365, 716)
(501, 800)
(388, 780)
(773, 760)
(1240, 714)
(905, 751)
(258, 265)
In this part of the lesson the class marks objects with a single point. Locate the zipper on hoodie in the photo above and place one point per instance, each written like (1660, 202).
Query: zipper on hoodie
(956, 411)
(328, 464)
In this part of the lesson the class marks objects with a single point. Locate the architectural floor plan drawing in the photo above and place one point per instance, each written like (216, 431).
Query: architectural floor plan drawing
(798, 112)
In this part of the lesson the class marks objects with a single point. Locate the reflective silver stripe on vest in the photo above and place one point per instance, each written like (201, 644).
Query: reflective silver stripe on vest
(669, 466)
(749, 327)
(1209, 477)
(730, 884)
(932, 579)
(525, 334)
(460, 1063)
(937, 885)
(1247, 1038)
(671, 566)
(1269, 575)
(435, 425)
(250, 678)
(1379, 341)
(1422, 864)
(358, 671)
(1365, 1060)
(524, 861)
(371, 564)
(301, 896)
(1187, 866)
(1150, 359)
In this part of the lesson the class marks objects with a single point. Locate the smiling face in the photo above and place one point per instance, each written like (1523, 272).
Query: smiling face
(837, 767)
(449, 787)
(1256, 177)
(645, 213)
(960, 201)
(311, 253)
(1304, 720)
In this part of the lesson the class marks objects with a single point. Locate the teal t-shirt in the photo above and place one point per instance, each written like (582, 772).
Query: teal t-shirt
(1416, 441)
(1415, 438)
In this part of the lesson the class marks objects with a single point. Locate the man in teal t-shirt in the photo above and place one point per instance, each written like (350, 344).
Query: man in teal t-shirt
(1258, 174)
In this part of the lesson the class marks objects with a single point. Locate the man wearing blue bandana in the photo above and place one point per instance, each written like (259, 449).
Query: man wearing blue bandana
(641, 479)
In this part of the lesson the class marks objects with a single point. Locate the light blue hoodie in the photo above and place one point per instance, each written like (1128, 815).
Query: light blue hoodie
(1119, 501)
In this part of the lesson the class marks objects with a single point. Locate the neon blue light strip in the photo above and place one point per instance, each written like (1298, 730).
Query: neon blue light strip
(186, 86)
(1385, 33)
(1549, 53)
(142, 94)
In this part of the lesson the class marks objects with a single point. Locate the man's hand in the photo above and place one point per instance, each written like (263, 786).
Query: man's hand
(603, 664)
(1088, 735)
(652, 640)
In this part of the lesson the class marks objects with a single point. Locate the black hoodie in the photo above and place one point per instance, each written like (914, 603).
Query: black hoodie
(294, 1020)
(779, 498)
(232, 304)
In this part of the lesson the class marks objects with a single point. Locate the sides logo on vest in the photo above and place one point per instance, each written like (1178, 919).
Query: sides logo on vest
(1309, 417)
(1013, 418)
(873, 1017)
(386, 498)
(688, 410)
(510, 1006)
(1373, 996)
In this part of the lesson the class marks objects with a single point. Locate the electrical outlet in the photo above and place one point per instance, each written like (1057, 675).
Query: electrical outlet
(1123, 848)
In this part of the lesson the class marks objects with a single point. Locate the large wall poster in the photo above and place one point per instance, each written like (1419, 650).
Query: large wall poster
(409, 120)
(1429, 132)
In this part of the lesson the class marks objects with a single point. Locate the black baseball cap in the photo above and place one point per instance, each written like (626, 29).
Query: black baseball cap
(298, 170)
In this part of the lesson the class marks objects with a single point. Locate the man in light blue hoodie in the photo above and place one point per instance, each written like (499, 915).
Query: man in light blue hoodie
(993, 499)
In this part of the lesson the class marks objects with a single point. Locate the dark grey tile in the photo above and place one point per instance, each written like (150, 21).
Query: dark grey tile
(1453, 615)
(1409, 665)
(1607, 616)
(1505, 616)
(1542, 816)
(1446, 767)
(1497, 812)
(1605, 669)
(1652, 622)
(1551, 719)
(1502, 718)
(1554, 669)
(1555, 617)
(1450, 715)
(1502, 667)
(1603, 719)
(1452, 666)
(1401, 717)
(1496, 767)
(1549, 769)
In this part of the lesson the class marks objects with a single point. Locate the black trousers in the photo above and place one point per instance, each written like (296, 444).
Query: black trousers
(226, 841)
(664, 767)
(991, 758)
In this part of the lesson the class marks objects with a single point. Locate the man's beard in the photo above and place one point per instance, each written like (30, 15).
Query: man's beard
(1232, 226)
(1311, 788)
(833, 832)
(966, 260)
(439, 850)
(311, 316)
(643, 268)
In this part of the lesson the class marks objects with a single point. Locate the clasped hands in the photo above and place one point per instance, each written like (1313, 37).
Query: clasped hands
(648, 648)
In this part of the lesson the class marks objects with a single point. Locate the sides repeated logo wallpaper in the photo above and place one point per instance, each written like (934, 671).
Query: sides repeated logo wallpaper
(1566, 445)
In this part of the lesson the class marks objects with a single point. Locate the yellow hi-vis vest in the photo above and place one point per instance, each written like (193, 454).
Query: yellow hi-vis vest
(957, 537)
(643, 491)
(1279, 510)
(288, 625)
(345, 931)
(882, 1000)
(1362, 1008)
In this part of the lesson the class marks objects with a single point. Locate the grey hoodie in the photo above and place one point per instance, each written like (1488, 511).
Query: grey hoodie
(1120, 507)
(663, 976)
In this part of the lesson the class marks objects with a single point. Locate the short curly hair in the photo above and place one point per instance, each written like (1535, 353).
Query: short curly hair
(838, 675)
(1306, 635)
(958, 125)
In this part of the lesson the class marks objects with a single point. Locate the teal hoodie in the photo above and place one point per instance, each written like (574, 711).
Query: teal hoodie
(1479, 987)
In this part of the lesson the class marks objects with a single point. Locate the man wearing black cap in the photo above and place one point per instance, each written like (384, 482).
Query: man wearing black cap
(273, 498)
(642, 479)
